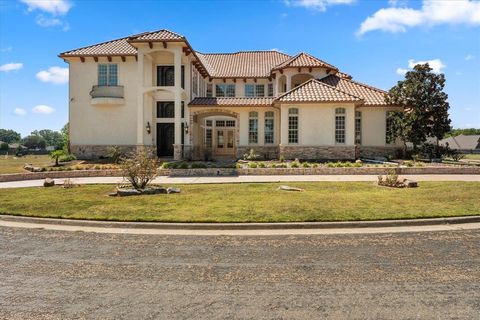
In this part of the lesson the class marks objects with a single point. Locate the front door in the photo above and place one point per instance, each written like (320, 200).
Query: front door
(165, 139)
(225, 142)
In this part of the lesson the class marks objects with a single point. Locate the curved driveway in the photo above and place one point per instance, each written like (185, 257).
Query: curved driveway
(48, 274)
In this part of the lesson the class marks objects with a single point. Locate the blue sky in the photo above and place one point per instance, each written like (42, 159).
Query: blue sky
(375, 41)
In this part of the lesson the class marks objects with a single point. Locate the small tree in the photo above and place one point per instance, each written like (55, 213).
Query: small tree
(55, 155)
(139, 168)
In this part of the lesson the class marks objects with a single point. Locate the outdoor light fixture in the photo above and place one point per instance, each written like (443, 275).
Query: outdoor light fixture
(186, 127)
(149, 129)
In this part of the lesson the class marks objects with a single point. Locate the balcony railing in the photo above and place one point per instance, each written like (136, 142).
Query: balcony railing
(107, 92)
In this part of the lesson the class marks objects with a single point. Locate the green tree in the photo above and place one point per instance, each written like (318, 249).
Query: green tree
(52, 138)
(34, 142)
(3, 146)
(9, 136)
(425, 106)
(65, 131)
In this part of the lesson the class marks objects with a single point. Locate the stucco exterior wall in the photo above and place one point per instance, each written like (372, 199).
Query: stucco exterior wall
(374, 122)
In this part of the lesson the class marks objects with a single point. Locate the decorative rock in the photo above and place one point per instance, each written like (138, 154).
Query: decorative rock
(173, 190)
(154, 190)
(287, 188)
(410, 183)
(128, 192)
(48, 182)
(113, 194)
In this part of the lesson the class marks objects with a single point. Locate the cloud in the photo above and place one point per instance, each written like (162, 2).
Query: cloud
(12, 66)
(278, 50)
(43, 109)
(54, 7)
(469, 57)
(316, 5)
(436, 64)
(19, 112)
(55, 75)
(395, 19)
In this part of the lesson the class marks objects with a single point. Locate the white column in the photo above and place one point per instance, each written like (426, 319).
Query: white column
(178, 102)
(276, 87)
(289, 81)
(283, 125)
(140, 96)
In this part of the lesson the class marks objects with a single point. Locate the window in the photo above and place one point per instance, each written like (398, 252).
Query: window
(340, 125)
(388, 129)
(293, 125)
(270, 89)
(107, 75)
(195, 82)
(165, 109)
(220, 123)
(254, 90)
(269, 123)
(166, 76)
(358, 127)
(209, 90)
(225, 90)
(208, 138)
(230, 123)
(253, 127)
(183, 110)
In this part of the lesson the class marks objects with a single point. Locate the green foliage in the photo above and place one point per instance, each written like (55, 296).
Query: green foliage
(34, 142)
(251, 155)
(139, 168)
(198, 165)
(253, 165)
(9, 136)
(408, 163)
(262, 165)
(467, 132)
(115, 153)
(390, 180)
(55, 155)
(305, 165)
(65, 131)
(165, 165)
(295, 164)
(67, 157)
(4, 146)
(52, 138)
(282, 158)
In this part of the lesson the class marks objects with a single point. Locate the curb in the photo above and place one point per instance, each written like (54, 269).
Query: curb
(243, 226)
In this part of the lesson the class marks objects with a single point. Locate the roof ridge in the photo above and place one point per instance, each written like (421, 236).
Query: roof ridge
(294, 89)
(364, 85)
(242, 51)
(320, 83)
(98, 44)
(156, 31)
(335, 88)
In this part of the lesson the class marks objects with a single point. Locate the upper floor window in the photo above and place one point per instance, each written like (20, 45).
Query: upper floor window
(166, 109)
(270, 89)
(340, 125)
(293, 125)
(166, 76)
(254, 90)
(253, 127)
(269, 126)
(225, 90)
(209, 92)
(195, 83)
(358, 127)
(107, 75)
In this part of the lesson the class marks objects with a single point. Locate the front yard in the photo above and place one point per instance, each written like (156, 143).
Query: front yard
(259, 202)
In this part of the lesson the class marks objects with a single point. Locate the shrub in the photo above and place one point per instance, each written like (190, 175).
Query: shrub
(415, 157)
(305, 165)
(347, 164)
(357, 164)
(67, 158)
(390, 180)
(315, 165)
(330, 164)
(253, 165)
(295, 164)
(198, 165)
(183, 165)
(164, 165)
(282, 158)
(139, 168)
(251, 155)
(115, 153)
(238, 165)
(456, 156)
(262, 165)
(408, 163)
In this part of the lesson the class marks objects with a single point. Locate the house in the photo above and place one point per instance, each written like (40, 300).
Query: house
(154, 89)
(465, 143)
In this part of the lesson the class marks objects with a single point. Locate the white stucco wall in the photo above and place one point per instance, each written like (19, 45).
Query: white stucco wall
(374, 125)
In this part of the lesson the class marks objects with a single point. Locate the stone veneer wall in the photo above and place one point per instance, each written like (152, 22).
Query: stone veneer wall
(265, 152)
(95, 151)
(373, 152)
(318, 152)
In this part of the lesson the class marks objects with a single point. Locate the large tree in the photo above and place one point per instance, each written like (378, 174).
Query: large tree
(52, 138)
(65, 131)
(34, 142)
(425, 106)
(9, 136)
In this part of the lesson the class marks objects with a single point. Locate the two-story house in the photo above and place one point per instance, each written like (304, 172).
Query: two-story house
(154, 89)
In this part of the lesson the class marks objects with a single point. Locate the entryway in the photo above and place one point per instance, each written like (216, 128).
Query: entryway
(165, 139)
(224, 142)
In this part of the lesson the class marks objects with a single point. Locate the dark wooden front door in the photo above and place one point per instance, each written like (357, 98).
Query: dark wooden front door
(165, 139)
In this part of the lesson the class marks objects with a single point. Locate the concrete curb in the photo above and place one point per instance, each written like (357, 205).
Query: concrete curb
(243, 226)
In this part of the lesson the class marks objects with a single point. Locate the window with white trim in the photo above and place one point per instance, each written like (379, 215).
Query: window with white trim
(340, 125)
(225, 90)
(254, 90)
(269, 126)
(293, 125)
(358, 127)
(108, 74)
(270, 89)
(195, 82)
(253, 127)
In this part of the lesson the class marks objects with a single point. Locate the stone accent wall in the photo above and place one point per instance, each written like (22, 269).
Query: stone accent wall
(59, 175)
(318, 152)
(265, 152)
(375, 152)
(96, 151)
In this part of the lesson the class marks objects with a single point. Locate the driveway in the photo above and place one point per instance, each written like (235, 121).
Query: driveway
(48, 274)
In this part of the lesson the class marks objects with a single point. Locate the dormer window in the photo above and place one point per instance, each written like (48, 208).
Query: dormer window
(107, 75)
(254, 90)
(225, 90)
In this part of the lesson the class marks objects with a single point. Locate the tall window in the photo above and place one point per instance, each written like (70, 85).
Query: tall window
(209, 90)
(195, 82)
(388, 129)
(293, 125)
(270, 89)
(269, 123)
(107, 75)
(166, 76)
(225, 90)
(358, 127)
(165, 109)
(254, 90)
(340, 125)
(253, 127)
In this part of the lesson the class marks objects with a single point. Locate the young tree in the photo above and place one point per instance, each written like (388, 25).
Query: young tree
(56, 154)
(9, 136)
(425, 105)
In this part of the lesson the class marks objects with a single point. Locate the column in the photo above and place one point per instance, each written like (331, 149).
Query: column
(177, 146)
(289, 82)
(276, 87)
(140, 98)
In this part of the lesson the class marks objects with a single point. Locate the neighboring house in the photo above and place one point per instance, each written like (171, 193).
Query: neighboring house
(465, 143)
(154, 89)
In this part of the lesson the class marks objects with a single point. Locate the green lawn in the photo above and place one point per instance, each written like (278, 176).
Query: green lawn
(260, 202)
(12, 164)
(472, 156)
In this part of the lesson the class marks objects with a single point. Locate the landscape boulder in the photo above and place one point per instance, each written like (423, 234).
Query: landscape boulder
(173, 190)
(128, 192)
(287, 188)
(410, 183)
(49, 182)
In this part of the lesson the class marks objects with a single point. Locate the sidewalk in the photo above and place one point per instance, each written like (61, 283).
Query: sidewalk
(247, 179)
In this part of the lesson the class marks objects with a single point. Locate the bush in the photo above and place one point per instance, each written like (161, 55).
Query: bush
(262, 165)
(305, 165)
(253, 165)
(67, 158)
(330, 164)
(115, 153)
(295, 164)
(183, 165)
(282, 158)
(347, 164)
(139, 168)
(165, 165)
(198, 165)
(390, 180)
(408, 163)
(250, 155)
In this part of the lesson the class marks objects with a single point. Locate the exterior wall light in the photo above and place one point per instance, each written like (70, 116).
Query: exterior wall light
(148, 127)
(186, 127)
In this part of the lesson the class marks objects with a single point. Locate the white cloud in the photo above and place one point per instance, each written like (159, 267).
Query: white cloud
(43, 109)
(19, 112)
(278, 50)
(317, 5)
(55, 75)
(397, 3)
(469, 57)
(436, 64)
(45, 22)
(431, 13)
(54, 7)
(11, 66)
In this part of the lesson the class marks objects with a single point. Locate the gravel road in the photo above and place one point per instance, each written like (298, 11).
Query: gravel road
(76, 275)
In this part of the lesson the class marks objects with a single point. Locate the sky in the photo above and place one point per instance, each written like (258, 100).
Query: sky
(376, 41)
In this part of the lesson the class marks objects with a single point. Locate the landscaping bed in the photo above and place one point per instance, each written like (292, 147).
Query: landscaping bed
(259, 202)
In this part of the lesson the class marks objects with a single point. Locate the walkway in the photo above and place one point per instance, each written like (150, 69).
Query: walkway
(247, 179)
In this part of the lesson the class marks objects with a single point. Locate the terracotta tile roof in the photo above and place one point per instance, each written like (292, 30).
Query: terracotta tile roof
(231, 102)
(343, 75)
(114, 47)
(304, 60)
(160, 35)
(243, 64)
(316, 91)
(371, 95)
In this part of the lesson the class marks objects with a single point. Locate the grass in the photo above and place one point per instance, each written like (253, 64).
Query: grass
(12, 164)
(260, 202)
(472, 156)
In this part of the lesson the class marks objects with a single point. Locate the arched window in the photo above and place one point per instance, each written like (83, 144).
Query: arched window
(269, 127)
(253, 127)
(293, 125)
(340, 125)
